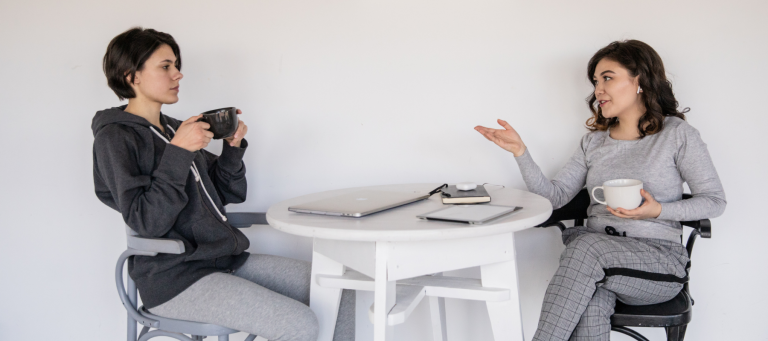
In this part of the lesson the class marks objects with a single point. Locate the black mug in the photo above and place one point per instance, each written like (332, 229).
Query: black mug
(223, 122)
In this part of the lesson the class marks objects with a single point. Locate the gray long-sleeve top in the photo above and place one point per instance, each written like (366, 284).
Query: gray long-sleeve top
(662, 161)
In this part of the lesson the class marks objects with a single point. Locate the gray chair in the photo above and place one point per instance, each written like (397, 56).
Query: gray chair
(139, 246)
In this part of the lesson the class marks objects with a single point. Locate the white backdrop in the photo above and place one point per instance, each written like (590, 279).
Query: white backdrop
(351, 93)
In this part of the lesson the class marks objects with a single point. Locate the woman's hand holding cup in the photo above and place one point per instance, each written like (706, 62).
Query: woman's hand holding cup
(650, 209)
(242, 129)
(506, 138)
(192, 135)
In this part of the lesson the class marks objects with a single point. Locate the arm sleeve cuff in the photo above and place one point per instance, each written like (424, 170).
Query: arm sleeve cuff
(525, 160)
(231, 158)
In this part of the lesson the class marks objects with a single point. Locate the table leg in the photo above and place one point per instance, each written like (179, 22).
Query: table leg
(384, 295)
(325, 301)
(506, 318)
(437, 310)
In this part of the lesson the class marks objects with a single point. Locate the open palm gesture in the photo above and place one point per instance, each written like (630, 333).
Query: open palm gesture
(506, 138)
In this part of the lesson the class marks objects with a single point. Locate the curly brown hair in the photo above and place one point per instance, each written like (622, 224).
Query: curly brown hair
(640, 60)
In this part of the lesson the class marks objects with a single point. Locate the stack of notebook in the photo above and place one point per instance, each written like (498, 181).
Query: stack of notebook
(451, 195)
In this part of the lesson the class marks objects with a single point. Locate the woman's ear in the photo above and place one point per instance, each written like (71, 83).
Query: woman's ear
(637, 84)
(136, 78)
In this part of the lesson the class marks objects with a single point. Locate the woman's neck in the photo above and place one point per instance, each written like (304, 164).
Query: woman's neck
(149, 110)
(626, 129)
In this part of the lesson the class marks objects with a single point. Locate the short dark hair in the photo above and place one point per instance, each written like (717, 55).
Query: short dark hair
(640, 60)
(127, 53)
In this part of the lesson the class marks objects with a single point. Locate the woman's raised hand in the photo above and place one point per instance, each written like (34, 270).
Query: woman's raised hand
(506, 138)
(192, 135)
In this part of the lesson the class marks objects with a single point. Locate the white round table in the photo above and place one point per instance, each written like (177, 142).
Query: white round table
(393, 252)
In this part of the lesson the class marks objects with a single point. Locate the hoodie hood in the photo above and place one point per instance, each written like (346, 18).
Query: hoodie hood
(118, 115)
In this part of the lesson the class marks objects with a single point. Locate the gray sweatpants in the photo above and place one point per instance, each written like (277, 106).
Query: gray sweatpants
(267, 296)
(595, 270)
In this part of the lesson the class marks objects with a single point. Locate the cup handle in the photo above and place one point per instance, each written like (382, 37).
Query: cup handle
(593, 194)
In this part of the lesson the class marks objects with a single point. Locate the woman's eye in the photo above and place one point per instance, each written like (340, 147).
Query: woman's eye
(166, 67)
(607, 78)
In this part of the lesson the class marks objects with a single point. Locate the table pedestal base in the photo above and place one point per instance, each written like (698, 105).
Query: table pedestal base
(396, 272)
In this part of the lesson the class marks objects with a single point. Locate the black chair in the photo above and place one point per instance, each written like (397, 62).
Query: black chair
(674, 315)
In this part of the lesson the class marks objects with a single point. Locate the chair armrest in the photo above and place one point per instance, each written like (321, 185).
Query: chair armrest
(155, 245)
(704, 227)
(575, 209)
(246, 219)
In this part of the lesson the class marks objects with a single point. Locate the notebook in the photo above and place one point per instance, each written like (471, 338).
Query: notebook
(451, 195)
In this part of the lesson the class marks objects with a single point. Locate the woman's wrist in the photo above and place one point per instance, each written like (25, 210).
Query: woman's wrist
(519, 152)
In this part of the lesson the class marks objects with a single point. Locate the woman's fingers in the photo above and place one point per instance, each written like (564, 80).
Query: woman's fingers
(482, 129)
(618, 214)
(204, 125)
(646, 195)
(192, 119)
(486, 132)
(505, 124)
(239, 111)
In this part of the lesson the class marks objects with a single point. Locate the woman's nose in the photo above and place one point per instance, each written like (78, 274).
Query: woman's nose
(599, 89)
(179, 76)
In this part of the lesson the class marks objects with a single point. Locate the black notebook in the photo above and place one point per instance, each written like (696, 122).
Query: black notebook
(451, 195)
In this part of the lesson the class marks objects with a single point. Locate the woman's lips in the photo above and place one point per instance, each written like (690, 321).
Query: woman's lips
(602, 103)
(176, 88)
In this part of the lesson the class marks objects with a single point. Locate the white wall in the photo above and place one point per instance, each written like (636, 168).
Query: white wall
(352, 93)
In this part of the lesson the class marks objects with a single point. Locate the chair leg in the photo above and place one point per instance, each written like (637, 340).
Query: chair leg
(673, 333)
(250, 337)
(629, 332)
(154, 333)
(143, 331)
(223, 337)
(132, 292)
(682, 331)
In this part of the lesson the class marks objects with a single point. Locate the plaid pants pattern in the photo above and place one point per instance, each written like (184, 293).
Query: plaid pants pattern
(595, 270)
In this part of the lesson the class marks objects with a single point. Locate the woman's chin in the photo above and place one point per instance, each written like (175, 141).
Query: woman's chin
(171, 100)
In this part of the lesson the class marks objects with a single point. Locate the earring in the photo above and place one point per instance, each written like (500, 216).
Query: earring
(639, 90)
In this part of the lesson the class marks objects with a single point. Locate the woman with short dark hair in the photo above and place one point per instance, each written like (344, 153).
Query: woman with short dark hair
(634, 255)
(154, 171)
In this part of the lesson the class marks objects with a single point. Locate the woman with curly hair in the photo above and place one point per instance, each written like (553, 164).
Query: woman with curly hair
(633, 255)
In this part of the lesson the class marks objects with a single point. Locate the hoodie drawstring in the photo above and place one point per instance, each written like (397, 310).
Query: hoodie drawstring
(195, 171)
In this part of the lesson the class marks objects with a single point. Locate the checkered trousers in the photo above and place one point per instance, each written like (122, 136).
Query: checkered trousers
(595, 270)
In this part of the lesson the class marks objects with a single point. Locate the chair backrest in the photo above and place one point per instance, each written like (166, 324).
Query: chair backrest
(139, 246)
(142, 246)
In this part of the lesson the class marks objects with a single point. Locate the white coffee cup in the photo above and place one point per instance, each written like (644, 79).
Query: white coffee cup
(624, 193)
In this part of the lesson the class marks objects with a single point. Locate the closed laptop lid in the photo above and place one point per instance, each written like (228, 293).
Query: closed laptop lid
(359, 203)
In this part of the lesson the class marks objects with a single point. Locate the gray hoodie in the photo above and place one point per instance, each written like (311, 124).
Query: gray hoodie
(164, 191)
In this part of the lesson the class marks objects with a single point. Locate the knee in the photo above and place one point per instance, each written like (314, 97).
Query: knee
(309, 328)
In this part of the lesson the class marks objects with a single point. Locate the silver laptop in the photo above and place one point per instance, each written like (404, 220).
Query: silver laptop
(360, 203)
